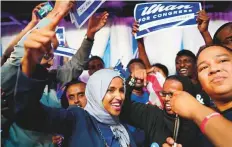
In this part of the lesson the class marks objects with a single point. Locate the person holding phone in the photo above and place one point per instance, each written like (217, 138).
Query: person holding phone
(34, 20)
(13, 134)
(65, 73)
(43, 12)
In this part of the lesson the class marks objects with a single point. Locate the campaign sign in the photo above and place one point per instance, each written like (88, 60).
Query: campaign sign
(65, 51)
(160, 15)
(60, 35)
(83, 10)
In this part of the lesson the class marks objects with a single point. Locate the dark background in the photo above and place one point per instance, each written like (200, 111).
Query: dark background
(21, 10)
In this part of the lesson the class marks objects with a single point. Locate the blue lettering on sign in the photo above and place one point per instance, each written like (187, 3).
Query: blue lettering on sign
(82, 10)
(158, 15)
(160, 8)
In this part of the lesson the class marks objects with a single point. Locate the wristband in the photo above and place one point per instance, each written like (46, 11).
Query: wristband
(203, 123)
(87, 38)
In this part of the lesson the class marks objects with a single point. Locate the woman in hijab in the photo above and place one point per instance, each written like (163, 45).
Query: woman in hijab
(159, 124)
(96, 125)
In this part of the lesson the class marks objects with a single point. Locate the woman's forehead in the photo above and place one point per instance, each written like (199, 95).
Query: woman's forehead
(117, 81)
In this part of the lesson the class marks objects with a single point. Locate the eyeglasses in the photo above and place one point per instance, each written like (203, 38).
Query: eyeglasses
(164, 94)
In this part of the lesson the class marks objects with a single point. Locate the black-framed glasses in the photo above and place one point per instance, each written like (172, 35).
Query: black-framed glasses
(164, 94)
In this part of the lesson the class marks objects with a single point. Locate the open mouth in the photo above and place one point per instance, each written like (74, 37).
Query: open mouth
(168, 107)
(79, 105)
(139, 81)
(117, 105)
(183, 71)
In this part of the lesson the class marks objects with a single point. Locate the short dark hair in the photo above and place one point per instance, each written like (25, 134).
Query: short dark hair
(134, 61)
(63, 99)
(216, 40)
(206, 46)
(186, 53)
(162, 67)
(91, 59)
(187, 84)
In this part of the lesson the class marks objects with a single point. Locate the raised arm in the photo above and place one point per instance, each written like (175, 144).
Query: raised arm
(218, 129)
(138, 114)
(203, 23)
(141, 47)
(26, 58)
(31, 78)
(73, 68)
(43, 41)
(30, 25)
(50, 120)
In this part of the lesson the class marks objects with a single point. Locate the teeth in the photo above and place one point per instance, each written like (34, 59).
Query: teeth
(168, 105)
(183, 69)
(115, 104)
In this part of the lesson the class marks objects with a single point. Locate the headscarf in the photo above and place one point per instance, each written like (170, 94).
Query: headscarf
(96, 89)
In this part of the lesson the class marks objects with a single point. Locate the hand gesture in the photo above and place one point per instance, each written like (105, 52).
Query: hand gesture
(35, 19)
(203, 21)
(96, 23)
(41, 41)
(140, 74)
(135, 27)
(184, 104)
(171, 143)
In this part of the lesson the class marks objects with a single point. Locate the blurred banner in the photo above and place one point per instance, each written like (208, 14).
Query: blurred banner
(81, 12)
(60, 35)
(160, 15)
(65, 51)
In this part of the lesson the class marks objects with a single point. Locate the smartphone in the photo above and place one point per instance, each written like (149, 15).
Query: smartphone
(45, 10)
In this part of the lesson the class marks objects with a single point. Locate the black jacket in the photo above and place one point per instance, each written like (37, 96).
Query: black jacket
(157, 124)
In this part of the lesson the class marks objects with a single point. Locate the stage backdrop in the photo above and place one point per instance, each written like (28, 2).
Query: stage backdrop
(115, 41)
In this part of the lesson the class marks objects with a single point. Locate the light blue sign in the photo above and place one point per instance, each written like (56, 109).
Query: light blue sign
(60, 35)
(64, 51)
(160, 15)
(83, 10)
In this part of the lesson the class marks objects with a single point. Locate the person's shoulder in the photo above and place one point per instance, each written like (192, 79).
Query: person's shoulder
(197, 86)
(77, 111)
(146, 94)
(155, 111)
(227, 114)
(201, 95)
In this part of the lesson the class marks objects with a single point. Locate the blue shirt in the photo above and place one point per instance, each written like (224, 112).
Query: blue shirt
(141, 99)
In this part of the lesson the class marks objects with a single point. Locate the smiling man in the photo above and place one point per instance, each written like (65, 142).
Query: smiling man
(186, 66)
(214, 69)
(74, 94)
